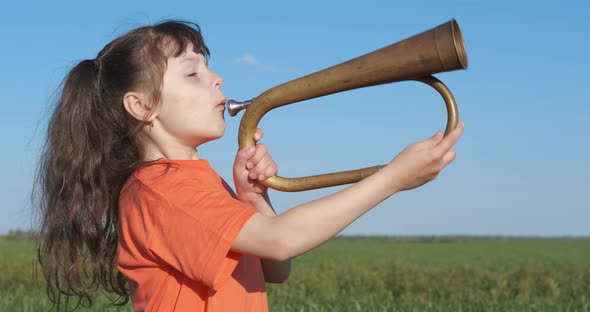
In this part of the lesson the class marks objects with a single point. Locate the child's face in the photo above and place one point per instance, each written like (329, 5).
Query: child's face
(192, 102)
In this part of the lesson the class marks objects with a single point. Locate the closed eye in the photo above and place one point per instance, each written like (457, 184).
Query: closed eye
(191, 75)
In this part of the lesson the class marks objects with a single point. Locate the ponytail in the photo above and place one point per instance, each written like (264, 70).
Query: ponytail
(92, 148)
(80, 188)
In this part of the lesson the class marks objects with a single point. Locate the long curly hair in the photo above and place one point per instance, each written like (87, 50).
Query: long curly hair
(92, 148)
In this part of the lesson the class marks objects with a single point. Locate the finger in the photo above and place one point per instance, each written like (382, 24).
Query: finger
(243, 155)
(269, 172)
(445, 160)
(447, 142)
(436, 138)
(261, 167)
(431, 141)
(258, 134)
(261, 149)
(449, 157)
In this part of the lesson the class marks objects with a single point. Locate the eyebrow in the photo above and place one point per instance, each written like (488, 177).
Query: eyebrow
(195, 59)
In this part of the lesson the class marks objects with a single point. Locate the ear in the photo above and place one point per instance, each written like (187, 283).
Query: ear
(136, 106)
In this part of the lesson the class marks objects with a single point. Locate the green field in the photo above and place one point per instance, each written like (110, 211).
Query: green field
(390, 274)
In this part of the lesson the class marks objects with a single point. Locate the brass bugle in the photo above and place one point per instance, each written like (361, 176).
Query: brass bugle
(439, 49)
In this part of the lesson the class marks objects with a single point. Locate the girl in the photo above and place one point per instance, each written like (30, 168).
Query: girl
(127, 201)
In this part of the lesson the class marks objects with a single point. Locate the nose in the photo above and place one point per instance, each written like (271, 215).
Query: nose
(218, 81)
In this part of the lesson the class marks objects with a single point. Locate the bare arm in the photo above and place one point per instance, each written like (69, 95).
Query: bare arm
(251, 167)
(274, 271)
(306, 226)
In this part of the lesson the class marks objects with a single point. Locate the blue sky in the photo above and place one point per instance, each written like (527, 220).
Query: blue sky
(522, 162)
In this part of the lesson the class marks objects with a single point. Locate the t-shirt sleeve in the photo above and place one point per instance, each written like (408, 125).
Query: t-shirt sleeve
(193, 230)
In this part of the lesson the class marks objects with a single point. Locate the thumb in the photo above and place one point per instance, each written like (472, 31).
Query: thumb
(258, 134)
(431, 141)
(435, 138)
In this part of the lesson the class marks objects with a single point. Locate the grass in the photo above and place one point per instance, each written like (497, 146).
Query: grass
(390, 274)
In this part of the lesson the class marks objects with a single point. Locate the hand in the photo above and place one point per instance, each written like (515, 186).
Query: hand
(421, 162)
(253, 165)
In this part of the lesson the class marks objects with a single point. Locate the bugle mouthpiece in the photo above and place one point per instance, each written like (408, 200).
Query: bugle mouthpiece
(233, 107)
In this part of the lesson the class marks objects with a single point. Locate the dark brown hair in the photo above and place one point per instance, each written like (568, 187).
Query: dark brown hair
(91, 149)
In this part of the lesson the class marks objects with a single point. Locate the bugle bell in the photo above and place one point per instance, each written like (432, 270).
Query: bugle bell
(439, 49)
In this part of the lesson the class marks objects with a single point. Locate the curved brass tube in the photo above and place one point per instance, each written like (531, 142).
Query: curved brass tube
(416, 58)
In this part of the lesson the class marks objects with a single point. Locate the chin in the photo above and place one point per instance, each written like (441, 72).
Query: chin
(211, 136)
(218, 134)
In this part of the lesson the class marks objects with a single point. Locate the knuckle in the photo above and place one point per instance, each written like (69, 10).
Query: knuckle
(258, 170)
(257, 158)
(432, 156)
(437, 155)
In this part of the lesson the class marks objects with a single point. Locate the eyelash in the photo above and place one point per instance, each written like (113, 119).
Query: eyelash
(192, 75)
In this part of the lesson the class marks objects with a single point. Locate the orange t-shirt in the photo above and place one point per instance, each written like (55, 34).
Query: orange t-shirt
(177, 224)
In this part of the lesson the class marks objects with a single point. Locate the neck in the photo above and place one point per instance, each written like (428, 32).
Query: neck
(159, 152)
(158, 147)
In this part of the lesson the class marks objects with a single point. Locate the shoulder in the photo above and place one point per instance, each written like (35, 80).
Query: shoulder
(179, 184)
(155, 186)
(169, 179)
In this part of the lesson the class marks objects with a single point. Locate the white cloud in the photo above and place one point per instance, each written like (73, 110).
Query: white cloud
(252, 63)
(246, 60)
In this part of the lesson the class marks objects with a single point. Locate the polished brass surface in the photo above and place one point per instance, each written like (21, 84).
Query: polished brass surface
(439, 49)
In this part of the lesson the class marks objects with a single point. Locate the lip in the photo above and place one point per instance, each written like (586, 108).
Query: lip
(221, 104)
